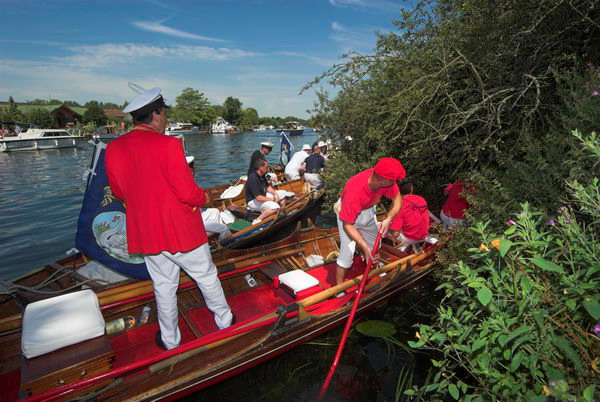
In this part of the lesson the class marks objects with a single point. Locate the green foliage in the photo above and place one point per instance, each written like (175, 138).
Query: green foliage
(40, 117)
(249, 118)
(190, 107)
(12, 113)
(233, 110)
(518, 313)
(469, 88)
(95, 114)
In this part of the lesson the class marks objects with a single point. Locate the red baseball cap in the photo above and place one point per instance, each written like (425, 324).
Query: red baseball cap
(390, 168)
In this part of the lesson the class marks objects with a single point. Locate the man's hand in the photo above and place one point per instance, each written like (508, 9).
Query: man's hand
(384, 226)
(366, 254)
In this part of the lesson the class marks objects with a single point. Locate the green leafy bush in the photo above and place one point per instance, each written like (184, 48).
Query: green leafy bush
(517, 320)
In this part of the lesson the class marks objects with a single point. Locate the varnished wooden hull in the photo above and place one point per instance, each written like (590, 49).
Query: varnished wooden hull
(141, 371)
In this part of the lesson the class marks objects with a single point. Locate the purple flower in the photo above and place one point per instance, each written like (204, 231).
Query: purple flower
(597, 329)
(562, 208)
(550, 222)
(552, 384)
(594, 93)
(510, 222)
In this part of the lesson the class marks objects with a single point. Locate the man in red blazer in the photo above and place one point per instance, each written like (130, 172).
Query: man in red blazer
(148, 171)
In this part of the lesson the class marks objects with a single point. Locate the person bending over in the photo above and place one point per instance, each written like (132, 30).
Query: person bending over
(411, 225)
(355, 210)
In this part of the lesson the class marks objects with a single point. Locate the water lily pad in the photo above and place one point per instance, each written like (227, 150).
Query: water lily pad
(376, 328)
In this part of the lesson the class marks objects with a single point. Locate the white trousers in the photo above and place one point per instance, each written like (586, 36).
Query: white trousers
(313, 178)
(262, 206)
(366, 224)
(214, 224)
(164, 271)
(292, 176)
(449, 222)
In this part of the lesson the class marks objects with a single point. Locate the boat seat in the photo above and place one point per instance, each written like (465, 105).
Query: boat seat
(60, 321)
(299, 283)
(238, 225)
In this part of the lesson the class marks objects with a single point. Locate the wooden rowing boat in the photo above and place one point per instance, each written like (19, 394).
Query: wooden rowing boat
(270, 320)
(245, 233)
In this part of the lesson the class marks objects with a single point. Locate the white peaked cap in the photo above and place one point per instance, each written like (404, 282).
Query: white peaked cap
(321, 144)
(145, 102)
(267, 144)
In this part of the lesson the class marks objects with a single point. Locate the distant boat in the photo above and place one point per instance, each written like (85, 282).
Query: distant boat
(39, 139)
(181, 128)
(106, 133)
(291, 128)
(221, 126)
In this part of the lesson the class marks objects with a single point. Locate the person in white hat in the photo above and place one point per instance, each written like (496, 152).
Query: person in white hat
(265, 149)
(294, 166)
(148, 171)
(313, 165)
(324, 149)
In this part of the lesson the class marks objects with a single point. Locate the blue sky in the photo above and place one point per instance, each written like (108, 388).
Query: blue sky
(260, 51)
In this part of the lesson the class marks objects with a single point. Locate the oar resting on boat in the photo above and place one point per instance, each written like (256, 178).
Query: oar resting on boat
(273, 315)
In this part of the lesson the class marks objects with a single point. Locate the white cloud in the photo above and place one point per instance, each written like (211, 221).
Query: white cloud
(315, 59)
(160, 28)
(383, 5)
(98, 56)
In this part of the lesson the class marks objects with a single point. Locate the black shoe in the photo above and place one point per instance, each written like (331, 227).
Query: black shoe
(233, 320)
(159, 342)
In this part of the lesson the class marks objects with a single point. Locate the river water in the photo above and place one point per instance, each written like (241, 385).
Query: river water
(40, 198)
(41, 191)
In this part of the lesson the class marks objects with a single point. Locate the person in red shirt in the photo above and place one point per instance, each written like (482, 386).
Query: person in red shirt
(148, 171)
(356, 218)
(453, 211)
(411, 225)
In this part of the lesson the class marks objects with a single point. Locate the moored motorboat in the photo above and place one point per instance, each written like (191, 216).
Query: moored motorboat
(274, 313)
(291, 128)
(181, 128)
(221, 126)
(40, 139)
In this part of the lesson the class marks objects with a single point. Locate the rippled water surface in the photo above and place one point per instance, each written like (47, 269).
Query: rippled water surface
(41, 192)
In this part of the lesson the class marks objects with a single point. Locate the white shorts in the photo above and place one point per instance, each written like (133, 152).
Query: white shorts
(366, 224)
(261, 206)
(449, 222)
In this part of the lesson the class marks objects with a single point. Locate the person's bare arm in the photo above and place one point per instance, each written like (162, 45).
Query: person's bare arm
(396, 205)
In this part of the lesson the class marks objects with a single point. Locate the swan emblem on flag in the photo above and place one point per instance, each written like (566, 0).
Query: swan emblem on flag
(109, 231)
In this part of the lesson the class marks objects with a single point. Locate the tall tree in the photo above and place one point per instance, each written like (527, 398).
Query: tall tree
(190, 107)
(40, 117)
(249, 118)
(233, 110)
(12, 112)
(95, 114)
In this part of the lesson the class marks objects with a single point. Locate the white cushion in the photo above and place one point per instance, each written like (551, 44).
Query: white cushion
(314, 260)
(60, 321)
(298, 280)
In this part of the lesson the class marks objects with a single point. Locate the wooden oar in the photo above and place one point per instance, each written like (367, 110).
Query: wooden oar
(338, 354)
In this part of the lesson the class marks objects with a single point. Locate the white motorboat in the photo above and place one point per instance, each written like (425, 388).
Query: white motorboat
(181, 128)
(37, 139)
(221, 126)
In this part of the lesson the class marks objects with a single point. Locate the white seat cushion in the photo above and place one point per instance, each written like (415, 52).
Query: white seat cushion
(298, 280)
(60, 321)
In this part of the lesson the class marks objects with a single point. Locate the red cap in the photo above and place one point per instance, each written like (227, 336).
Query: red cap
(390, 168)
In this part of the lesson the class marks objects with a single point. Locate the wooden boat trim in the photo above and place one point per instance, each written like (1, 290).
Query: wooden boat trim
(174, 356)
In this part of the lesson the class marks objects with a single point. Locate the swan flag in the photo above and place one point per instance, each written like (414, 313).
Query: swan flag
(102, 221)
(286, 148)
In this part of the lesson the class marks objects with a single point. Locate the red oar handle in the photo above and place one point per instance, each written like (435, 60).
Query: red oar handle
(338, 354)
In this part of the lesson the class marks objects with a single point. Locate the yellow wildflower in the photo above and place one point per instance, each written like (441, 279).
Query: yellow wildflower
(496, 243)
(546, 391)
(483, 247)
(418, 335)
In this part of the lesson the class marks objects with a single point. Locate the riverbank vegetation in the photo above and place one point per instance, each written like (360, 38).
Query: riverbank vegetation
(492, 92)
